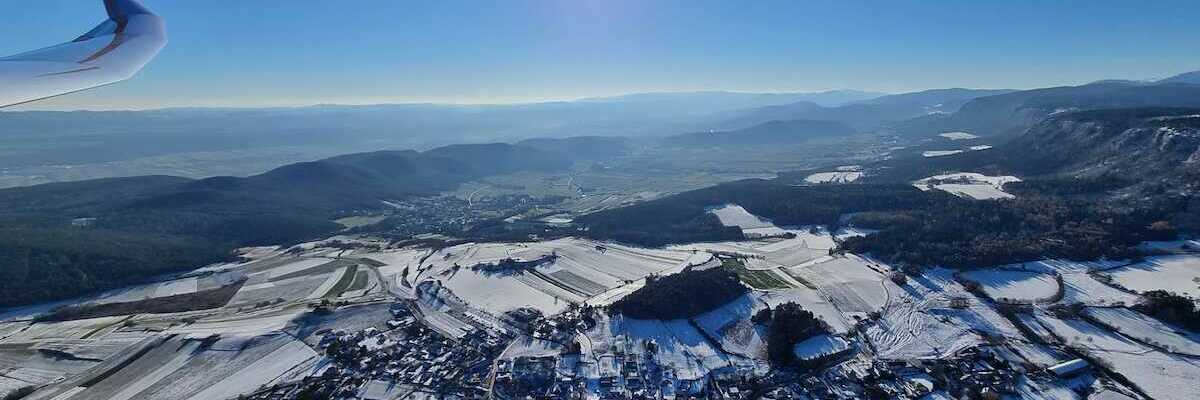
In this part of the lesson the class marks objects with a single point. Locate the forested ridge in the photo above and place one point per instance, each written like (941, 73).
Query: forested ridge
(914, 227)
(64, 240)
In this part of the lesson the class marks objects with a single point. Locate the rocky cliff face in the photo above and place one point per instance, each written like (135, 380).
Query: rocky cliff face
(1154, 145)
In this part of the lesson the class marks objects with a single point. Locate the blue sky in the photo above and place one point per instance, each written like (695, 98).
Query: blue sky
(297, 52)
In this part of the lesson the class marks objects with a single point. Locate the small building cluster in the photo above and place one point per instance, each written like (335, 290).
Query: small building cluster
(973, 373)
(407, 356)
(630, 372)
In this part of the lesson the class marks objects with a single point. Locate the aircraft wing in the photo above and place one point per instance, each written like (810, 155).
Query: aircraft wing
(112, 52)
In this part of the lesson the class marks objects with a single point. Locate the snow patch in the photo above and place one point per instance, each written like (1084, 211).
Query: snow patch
(969, 184)
(958, 136)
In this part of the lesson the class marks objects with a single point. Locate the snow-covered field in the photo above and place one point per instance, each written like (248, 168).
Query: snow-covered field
(1162, 376)
(241, 324)
(849, 282)
(940, 153)
(581, 270)
(805, 247)
(260, 372)
(255, 291)
(182, 369)
(919, 322)
(735, 215)
(733, 328)
(174, 287)
(958, 136)
(1177, 274)
(497, 294)
(78, 329)
(1147, 329)
(24, 364)
(252, 350)
(969, 184)
(1078, 284)
(177, 287)
(834, 177)
(811, 300)
(395, 261)
(819, 346)
(297, 266)
(1013, 286)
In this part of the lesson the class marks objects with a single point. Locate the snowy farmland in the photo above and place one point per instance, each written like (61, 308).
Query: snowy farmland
(752, 225)
(174, 287)
(184, 369)
(36, 359)
(920, 321)
(834, 177)
(267, 332)
(1158, 374)
(1079, 286)
(807, 246)
(399, 265)
(1177, 274)
(819, 346)
(849, 282)
(579, 270)
(969, 184)
(1015, 286)
(1147, 330)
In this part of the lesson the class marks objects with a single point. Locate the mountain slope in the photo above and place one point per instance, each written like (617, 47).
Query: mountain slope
(1150, 144)
(582, 147)
(1012, 113)
(1187, 77)
(868, 114)
(145, 226)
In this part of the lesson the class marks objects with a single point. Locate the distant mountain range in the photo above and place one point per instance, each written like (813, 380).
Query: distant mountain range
(1012, 113)
(316, 189)
(169, 141)
(709, 100)
(1188, 77)
(94, 141)
(865, 115)
(982, 112)
(772, 133)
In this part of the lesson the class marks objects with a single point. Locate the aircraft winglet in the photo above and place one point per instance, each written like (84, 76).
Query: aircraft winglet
(113, 51)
